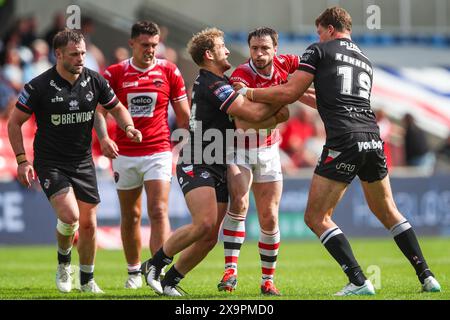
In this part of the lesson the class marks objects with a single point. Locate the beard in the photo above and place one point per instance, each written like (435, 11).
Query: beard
(73, 69)
(258, 65)
(226, 65)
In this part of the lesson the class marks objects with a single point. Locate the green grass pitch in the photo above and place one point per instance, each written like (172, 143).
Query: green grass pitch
(305, 271)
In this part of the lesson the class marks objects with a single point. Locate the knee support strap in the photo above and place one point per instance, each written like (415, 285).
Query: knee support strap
(67, 229)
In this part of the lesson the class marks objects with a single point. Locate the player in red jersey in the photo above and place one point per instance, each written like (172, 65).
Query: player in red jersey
(146, 86)
(259, 167)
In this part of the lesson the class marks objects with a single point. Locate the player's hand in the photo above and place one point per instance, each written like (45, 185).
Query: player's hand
(238, 85)
(109, 148)
(282, 115)
(134, 135)
(25, 174)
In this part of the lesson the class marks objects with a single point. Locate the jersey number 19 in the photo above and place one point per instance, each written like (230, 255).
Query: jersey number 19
(349, 86)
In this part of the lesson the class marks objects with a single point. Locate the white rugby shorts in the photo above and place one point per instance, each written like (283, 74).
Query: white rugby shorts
(263, 162)
(131, 172)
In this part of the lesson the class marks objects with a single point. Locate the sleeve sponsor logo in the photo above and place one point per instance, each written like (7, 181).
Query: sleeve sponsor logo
(23, 96)
(307, 54)
(224, 92)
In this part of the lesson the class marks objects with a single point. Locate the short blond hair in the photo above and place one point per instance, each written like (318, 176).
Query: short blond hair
(201, 42)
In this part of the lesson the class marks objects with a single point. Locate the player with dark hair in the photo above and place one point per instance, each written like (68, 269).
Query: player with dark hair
(342, 77)
(259, 167)
(63, 100)
(146, 86)
(202, 180)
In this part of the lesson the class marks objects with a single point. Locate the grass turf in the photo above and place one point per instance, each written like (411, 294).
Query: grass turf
(305, 271)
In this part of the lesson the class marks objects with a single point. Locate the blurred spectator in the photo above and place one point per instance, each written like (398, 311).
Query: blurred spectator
(12, 71)
(390, 133)
(295, 133)
(417, 150)
(314, 145)
(95, 59)
(163, 51)
(27, 30)
(7, 99)
(120, 54)
(59, 23)
(443, 156)
(40, 62)
(287, 165)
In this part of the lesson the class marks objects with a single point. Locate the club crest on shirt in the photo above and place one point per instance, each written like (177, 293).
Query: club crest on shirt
(56, 119)
(158, 82)
(90, 96)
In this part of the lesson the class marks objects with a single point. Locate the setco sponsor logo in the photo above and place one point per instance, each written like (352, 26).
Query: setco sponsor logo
(141, 100)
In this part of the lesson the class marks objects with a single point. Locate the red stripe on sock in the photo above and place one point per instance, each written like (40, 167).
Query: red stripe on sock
(234, 233)
(231, 259)
(236, 216)
(268, 271)
(269, 233)
(267, 246)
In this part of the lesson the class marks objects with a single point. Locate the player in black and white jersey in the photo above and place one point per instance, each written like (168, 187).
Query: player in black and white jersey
(342, 77)
(202, 179)
(63, 100)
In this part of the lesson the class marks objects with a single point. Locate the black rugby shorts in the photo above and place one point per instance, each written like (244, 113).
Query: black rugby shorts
(55, 176)
(192, 176)
(357, 153)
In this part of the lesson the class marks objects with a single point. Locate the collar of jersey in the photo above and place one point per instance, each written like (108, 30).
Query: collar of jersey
(140, 69)
(252, 66)
(79, 79)
(202, 70)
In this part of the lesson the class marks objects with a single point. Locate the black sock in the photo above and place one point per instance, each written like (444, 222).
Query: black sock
(64, 258)
(406, 240)
(85, 277)
(338, 246)
(172, 278)
(134, 272)
(160, 260)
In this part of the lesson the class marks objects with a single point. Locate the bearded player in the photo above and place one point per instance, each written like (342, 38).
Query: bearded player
(259, 166)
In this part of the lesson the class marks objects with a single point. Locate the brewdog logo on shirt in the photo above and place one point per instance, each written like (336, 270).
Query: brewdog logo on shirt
(71, 118)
